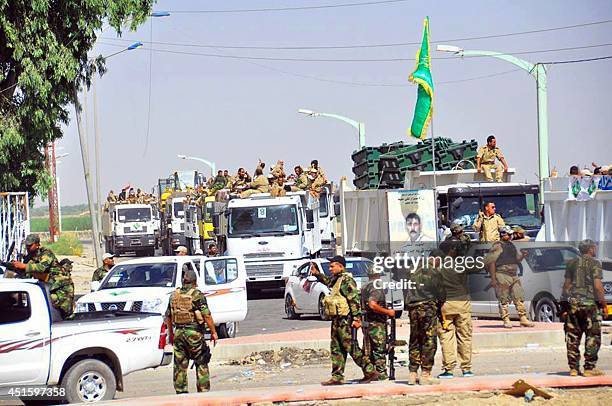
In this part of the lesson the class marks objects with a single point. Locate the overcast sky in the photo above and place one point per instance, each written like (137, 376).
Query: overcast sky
(234, 111)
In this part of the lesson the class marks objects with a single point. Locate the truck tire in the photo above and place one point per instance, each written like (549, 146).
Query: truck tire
(89, 380)
(227, 330)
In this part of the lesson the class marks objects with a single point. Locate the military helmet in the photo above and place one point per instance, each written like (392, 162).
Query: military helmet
(32, 239)
(189, 276)
(456, 227)
(585, 245)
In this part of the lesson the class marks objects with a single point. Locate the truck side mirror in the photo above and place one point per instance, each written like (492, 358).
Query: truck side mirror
(309, 219)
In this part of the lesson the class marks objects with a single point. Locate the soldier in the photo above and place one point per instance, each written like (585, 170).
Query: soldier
(518, 234)
(218, 183)
(259, 184)
(212, 250)
(422, 305)
(457, 234)
(131, 198)
(111, 198)
(301, 180)
(187, 312)
(181, 251)
(455, 330)
(240, 181)
(40, 263)
(108, 261)
(502, 261)
(485, 160)
(278, 187)
(489, 223)
(278, 169)
(314, 164)
(140, 196)
(345, 309)
(583, 291)
(374, 305)
(316, 182)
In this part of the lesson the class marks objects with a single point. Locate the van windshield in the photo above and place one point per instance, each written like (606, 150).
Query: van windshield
(140, 275)
(134, 214)
(264, 220)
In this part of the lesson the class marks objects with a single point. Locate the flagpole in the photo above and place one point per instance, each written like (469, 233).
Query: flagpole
(433, 152)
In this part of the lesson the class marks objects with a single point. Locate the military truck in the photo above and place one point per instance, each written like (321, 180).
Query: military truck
(129, 228)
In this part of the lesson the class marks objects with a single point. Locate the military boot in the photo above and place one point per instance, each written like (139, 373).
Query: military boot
(593, 372)
(413, 378)
(525, 322)
(427, 379)
(507, 323)
(574, 372)
(369, 377)
(332, 381)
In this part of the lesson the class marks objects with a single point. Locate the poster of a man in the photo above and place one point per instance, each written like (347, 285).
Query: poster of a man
(414, 229)
(412, 221)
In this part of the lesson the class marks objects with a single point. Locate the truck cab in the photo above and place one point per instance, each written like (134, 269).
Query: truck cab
(129, 228)
(173, 226)
(274, 234)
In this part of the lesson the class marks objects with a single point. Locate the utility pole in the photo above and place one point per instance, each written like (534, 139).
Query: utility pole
(90, 198)
(97, 152)
(50, 164)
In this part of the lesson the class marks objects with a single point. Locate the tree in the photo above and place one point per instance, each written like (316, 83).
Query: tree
(43, 62)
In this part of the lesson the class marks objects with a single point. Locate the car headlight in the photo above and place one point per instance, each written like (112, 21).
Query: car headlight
(81, 307)
(151, 306)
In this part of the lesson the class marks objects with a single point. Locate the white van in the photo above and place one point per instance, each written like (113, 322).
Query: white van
(145, 284)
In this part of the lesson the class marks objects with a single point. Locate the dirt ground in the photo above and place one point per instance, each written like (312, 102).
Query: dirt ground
(565, 397)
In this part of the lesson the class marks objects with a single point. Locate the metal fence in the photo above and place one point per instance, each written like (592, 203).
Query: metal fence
(14, 223)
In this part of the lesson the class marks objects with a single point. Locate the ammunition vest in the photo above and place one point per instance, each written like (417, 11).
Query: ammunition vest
(508, 255)
(181, 305)
(335, 304)
(583, 286)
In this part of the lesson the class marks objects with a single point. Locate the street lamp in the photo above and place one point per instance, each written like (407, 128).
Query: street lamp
(213, 167)
(359, 126)
(538, 71)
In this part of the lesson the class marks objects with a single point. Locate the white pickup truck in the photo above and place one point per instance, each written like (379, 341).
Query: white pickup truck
(79, 360)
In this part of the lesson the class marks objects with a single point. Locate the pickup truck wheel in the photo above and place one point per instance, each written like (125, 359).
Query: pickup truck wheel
(545, 310)
(89, 380)
(322, 314)
(227, 330)
(290, 308)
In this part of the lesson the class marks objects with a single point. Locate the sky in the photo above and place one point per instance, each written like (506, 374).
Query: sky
(233, 111)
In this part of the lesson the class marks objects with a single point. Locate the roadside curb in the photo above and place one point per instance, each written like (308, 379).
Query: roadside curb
(317, 392)
(480, 341)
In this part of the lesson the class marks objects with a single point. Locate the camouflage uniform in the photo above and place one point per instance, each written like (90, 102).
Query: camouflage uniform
(188, 344)
(99, 274)
(504, 253)
(464, 241)
(421, 304)
(301, 183)
(376, 330)
(584, 316)
(341, 329)
(43, 264)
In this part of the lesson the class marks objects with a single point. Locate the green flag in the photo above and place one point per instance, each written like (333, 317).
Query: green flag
(422, 77)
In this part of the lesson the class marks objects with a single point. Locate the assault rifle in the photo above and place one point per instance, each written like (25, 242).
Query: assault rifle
(393, 342)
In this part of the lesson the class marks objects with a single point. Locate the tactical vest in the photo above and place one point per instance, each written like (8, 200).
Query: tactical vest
(508, 255)
(583, 283)
(335, 304)
(182, 307)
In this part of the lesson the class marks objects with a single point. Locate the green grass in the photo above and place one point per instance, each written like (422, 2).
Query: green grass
(69, 223)
(67, 244)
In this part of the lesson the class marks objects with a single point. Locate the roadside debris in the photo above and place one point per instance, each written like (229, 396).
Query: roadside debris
(286, 357)
(521, 388)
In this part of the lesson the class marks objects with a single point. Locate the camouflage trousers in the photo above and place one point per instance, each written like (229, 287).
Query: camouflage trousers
(377, 342)
(583, 320)
(188, 345)
(423, 342)
(341, 346)
(510, 290)
(61, 289)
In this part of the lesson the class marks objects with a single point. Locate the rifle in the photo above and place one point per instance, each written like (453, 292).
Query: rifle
(7, 262)
(367, 345)
(563, 308)
(354, 342)
(393, 342)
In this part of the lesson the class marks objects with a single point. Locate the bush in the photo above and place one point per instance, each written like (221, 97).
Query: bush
(67, 244)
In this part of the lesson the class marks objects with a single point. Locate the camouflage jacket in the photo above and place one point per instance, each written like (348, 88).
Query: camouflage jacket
(99, 274)
(583, 271)
(43, 261)
(370, 293)
(198, 301)
(348, 289)
(426, 285)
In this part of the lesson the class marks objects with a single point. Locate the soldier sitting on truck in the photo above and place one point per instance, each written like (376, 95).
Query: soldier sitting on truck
(301, 180)
(278, 187)
(259, 184)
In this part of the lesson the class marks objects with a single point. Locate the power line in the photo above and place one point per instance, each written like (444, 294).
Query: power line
(383, 45)
(599, 58)
(266, 58)
(261, 10)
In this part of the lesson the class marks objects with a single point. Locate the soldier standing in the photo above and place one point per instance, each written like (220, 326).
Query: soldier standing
(40, 263)
(421, 303)
(485, 160)
(344, 300)
(487, 224)
(187, 312)
(503, 260)
(108, 261)
(457, 234)
(584, 292)
(374, 305)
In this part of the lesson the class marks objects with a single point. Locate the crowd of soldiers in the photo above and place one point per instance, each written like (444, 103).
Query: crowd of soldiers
(277, 182)
(130, 196)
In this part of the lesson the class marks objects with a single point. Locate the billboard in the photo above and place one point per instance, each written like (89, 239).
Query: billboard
(412, 220)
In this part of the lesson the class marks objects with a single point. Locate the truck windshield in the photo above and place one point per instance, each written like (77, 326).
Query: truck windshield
(178, 209)
(265, 220)
(514, 209)
(134, 214)
(323, 204)
(140, 275)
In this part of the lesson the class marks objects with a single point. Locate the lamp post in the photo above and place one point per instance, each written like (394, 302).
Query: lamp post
(358, 125)
(538, 71)
(213, 167)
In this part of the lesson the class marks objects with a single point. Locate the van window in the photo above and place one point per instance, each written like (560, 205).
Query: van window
(220, 271)
(550, 259)
(14, 307)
